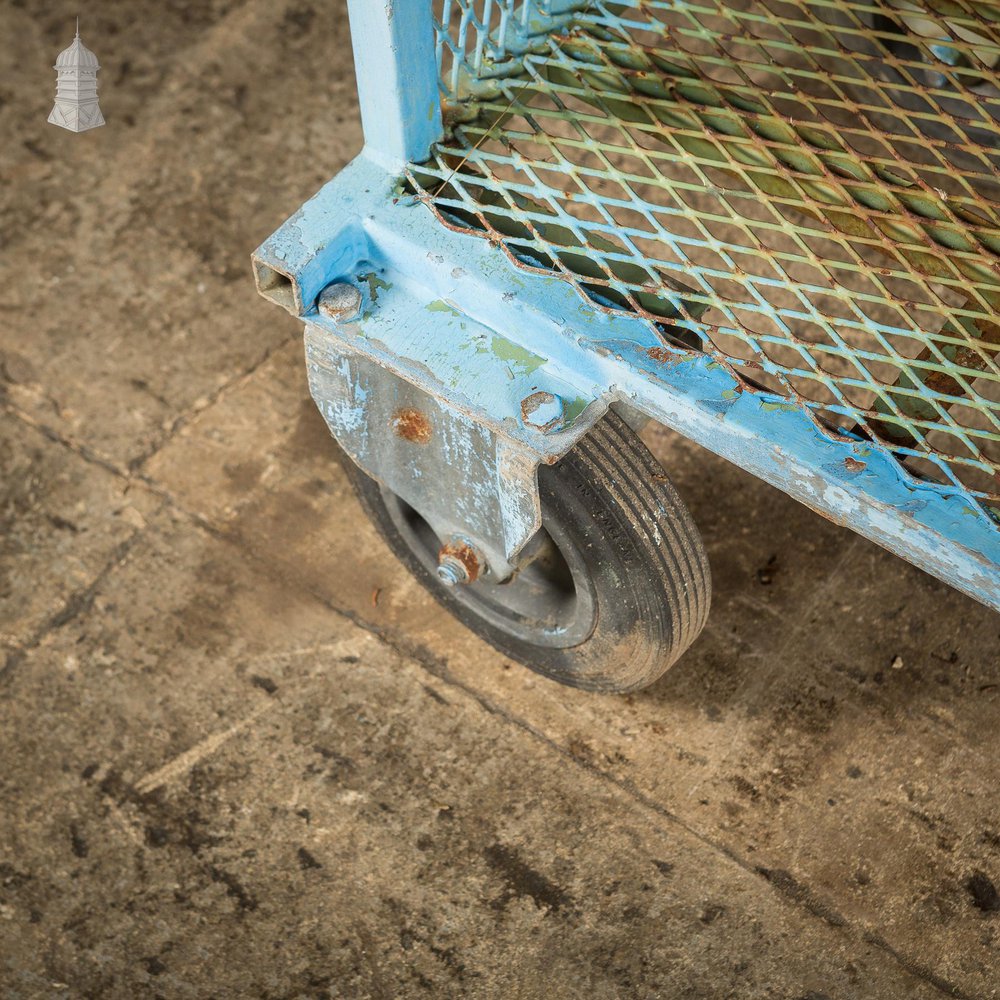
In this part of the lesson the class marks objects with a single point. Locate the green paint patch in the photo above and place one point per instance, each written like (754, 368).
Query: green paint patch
(440, 306)
(519, 360)
(770, 407)
(729, 394)
(374, 284)
(572, 408)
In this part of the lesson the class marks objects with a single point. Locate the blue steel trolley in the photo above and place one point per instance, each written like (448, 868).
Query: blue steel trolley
(773, 226)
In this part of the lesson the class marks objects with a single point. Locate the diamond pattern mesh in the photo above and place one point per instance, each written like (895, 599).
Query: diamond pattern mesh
(809, 190)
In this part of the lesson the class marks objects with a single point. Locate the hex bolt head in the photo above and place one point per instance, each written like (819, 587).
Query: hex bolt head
(339, 301)
(544, 411)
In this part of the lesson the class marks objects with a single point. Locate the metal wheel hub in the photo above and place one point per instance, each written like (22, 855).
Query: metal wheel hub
(548, 601)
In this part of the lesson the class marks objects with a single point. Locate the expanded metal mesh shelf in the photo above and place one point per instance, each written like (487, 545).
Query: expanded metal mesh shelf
(806, 190)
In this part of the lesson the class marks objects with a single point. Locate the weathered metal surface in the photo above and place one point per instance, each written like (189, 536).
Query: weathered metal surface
(544, 411)
(394, 60)
(339, 302)
(448, 294)
(453, 470)
(807, 191)
(477, 42)
(483, 339)
(458, 384)
(411, 425)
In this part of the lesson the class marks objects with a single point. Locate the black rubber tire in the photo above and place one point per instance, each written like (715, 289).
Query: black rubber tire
(646, 566)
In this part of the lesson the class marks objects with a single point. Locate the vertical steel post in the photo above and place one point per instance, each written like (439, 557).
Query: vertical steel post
(397, 76)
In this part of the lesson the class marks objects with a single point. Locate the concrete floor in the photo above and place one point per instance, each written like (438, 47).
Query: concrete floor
(241, 754)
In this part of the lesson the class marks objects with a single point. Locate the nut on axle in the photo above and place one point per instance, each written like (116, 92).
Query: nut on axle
(458, 563)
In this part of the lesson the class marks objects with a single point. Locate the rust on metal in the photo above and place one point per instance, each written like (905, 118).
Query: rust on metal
(466, 555)
(411, 425)
(853, 465)
(543, 411)
(531, 403)
(339, 301)
(661, 354)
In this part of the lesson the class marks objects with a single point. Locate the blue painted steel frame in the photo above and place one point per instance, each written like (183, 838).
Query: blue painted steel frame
(359, 224)
(393, 42)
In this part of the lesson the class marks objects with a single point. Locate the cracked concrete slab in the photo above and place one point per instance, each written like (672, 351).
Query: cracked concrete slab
(359, 825)
(62, 519)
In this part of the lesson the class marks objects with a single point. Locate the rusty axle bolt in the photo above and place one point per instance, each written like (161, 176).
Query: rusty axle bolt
(339, 301)
(458, 563)
(452, 572)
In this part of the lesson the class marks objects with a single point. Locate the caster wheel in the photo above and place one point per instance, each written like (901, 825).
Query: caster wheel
(609, 593)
